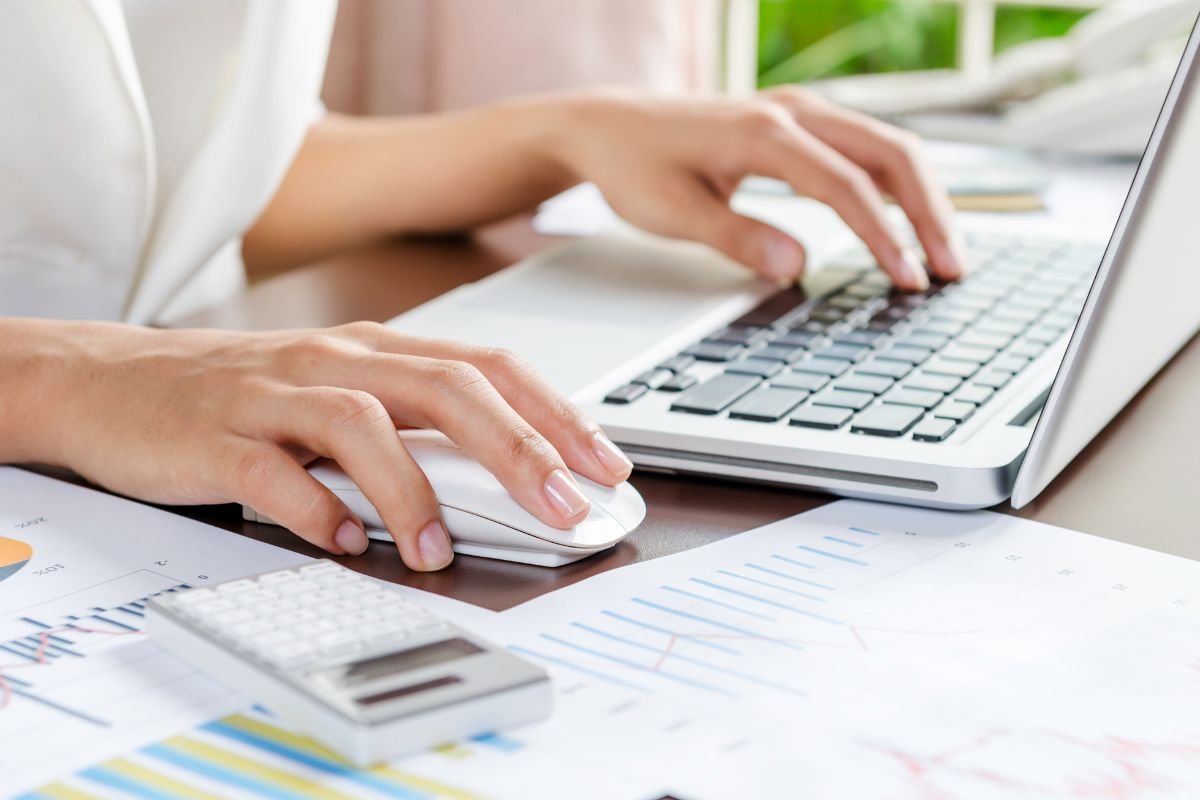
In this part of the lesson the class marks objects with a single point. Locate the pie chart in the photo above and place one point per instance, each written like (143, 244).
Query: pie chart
(13, 555)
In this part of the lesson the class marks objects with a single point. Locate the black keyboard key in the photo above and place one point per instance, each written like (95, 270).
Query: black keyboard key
(824, 418)
(680, 383)
(715, 395)
(875, 384)
(767, 405)
(677, 364)
(929, 341)
(807, 381)
(843, 352)
(890, 421)
(954, 410)
(990, 341)
(860, 337)
(934, 430)
(932, 383)
(961, 352)
(714, 351)
(944, 327)
(959, 369)
(974, 394)
(774, 308)
(845, 302)
(755, 366)
(822, 366)
(654, 379)
(888, 369)
(626, 394)
(739, 334)
(783, 353)
(841, 398)
(913, 397)
(909, 355)
(796, 339)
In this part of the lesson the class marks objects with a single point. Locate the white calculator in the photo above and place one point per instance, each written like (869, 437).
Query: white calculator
(348, 660)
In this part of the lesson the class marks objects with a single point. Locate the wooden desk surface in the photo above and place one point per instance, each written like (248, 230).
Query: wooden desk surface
(1132, 484)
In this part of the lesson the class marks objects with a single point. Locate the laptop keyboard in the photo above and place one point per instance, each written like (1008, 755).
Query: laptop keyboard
(871, 361)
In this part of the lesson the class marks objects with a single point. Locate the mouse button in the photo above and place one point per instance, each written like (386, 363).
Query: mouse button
(623, 503)
(332, 476)
(598, 529)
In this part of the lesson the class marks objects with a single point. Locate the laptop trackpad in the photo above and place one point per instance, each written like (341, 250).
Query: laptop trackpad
(579, 311)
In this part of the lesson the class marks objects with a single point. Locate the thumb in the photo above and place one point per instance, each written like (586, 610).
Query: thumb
(765, 249)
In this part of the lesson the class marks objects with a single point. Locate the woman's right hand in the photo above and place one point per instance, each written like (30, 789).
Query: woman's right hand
(200, 416)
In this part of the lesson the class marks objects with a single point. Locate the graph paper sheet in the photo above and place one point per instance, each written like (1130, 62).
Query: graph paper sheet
(871, 651)
(857, 651)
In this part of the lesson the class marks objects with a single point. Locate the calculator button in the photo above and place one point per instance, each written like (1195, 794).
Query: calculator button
(318, 598)
(269, 640)
(235, 587)
(212, 608)
(251, 628)
(339, 607)
(320, 568)
(338, 643)
(274, 608)
(254, 598)
(334, 579)
(319, 626)
(191, 598)
(274, 579)
(422, 622)
(355, 589)
(298, 586)
(299, 616)
(232, 617)
(358, 618)
(383, 633)
(291, 654)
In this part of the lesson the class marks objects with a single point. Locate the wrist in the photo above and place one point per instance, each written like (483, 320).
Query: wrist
(563, 125)
(37, 359)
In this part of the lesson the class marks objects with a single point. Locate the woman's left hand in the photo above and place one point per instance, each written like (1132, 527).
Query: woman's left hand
(670, 166)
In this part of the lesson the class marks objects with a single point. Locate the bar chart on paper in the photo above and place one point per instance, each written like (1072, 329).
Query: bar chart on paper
(928, 649)
(78, 677)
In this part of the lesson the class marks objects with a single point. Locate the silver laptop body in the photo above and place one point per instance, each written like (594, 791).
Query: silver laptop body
(998, 372)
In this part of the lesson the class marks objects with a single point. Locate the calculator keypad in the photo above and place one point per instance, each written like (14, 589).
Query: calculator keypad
(320, 612)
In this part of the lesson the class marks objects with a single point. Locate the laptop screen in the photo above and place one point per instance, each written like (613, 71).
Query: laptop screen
(1145, 303)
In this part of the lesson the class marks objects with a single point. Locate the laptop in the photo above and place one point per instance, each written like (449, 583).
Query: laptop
(960, 397)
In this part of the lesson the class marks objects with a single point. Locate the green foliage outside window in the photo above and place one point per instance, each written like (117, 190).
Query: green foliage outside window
(803, 40)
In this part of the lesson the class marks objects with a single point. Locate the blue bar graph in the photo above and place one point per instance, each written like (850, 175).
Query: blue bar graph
(671, 676)
(864, 530)
(794, 578)
(691, 638)
(711, 601)
(834, 556)
(793, 561)
(769, 585)
(746, 632)
(764, 600)
(563, 662)
(846, 542)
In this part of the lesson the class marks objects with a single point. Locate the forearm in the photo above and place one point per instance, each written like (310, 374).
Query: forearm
(32, 398)
(360, 179)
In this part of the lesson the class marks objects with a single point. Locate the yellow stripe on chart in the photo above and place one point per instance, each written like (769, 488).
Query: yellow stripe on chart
(232, 761)
(60, 791)
(157, 780)
(307, 745)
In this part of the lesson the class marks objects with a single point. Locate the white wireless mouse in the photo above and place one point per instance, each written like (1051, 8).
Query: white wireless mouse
(483, 519)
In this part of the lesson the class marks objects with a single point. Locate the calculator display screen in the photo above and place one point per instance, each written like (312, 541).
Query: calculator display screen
(427, 655)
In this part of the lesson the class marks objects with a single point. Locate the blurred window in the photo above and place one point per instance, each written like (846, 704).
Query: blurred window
(804, 40)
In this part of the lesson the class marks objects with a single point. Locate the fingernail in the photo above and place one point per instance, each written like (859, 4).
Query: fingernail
(784, 258)
(610, 456)
(564, 494)
(351, 538)
(949, 263)
(434, 544)
(919, 279)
